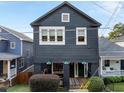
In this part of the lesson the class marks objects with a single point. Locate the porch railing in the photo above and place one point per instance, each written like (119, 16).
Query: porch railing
(12, 72)
(112, 73)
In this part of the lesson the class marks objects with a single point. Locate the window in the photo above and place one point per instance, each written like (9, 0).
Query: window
(107, 63)
(44, 35)
(81, 36)
(12, 45)
(65, 17)
(59, 35)
(21, 63)
(52, 35)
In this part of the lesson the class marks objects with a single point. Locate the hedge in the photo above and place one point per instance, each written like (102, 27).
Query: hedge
(113, 79)
(44, 83)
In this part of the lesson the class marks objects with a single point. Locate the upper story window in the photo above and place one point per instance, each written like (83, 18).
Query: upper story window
(65, 17)
(52, 35)
(81, 36)
(12, 45)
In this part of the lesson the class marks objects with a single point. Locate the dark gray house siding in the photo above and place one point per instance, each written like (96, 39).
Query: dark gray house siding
(70, 51)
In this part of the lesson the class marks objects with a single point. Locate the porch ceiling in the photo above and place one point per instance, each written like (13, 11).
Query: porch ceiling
(8, 56)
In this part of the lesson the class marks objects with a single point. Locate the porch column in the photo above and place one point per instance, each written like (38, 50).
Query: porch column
(16, 66)
(101, 66)
(66, 75)
(9, 73)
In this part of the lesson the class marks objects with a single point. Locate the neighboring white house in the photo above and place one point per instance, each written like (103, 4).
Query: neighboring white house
(119, 41)
(111, 58)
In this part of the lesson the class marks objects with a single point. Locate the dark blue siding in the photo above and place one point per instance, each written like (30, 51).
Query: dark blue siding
(28, 52)
(70, 51)
(3, 45)
(11, 38)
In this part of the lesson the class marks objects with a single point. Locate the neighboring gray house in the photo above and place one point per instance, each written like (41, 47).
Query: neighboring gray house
(111, 58)
(66, 43)
(16, 53)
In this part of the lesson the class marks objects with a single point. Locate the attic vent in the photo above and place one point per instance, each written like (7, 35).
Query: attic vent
(65, 17)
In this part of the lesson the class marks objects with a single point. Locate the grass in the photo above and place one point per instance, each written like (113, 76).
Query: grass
(116, 87)
(19, 88)
(26, 88)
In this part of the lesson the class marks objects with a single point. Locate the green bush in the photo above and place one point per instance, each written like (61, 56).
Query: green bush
(44, 83)
(96, 84)
(113, 79)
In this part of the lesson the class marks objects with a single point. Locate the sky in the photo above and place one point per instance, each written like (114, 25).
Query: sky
(18, 15)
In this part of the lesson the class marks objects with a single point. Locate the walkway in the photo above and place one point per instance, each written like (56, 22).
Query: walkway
(75, 83)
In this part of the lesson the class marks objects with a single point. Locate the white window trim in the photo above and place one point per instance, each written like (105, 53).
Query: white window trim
(11, 45)
(21, 66)
(50, 42)
(68, 17)
(81, 43)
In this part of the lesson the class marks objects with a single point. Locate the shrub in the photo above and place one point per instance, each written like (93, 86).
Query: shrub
(96, 84)
(122, 78)
(44, 83)
(113, 79)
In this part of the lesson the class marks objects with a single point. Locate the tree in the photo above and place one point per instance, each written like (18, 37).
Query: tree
(118, 30)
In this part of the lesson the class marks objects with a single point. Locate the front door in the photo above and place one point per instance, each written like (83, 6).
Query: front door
(122, 64)
(80, 70)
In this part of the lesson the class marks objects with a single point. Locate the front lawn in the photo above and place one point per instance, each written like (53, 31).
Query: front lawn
(19, 88)
(26, 88)
(117, 87)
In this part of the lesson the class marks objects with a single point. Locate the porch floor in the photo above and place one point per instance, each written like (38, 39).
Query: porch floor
(75, 83)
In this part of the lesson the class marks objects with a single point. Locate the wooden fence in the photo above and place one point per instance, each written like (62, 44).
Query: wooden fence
(22, 78)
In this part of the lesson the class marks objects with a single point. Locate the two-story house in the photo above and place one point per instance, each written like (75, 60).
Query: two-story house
(15, 53)
(66, 43)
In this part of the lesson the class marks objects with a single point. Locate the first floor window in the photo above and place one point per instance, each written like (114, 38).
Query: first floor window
(81, 36)
(51, 35)
(12, 45)
(21, 63)
(107, 63)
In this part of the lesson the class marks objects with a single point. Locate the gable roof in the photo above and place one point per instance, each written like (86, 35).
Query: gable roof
(119, 39)
(1, 38)
(108, 48)
(59, 6)
(17, 34)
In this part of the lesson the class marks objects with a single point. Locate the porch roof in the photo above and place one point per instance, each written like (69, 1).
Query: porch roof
(110, 49)
(112, 53)
(8, 56)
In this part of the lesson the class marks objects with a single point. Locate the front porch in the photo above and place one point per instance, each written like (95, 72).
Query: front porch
(75, 69)
(8, 67)
(111, 66)
(75, 73)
